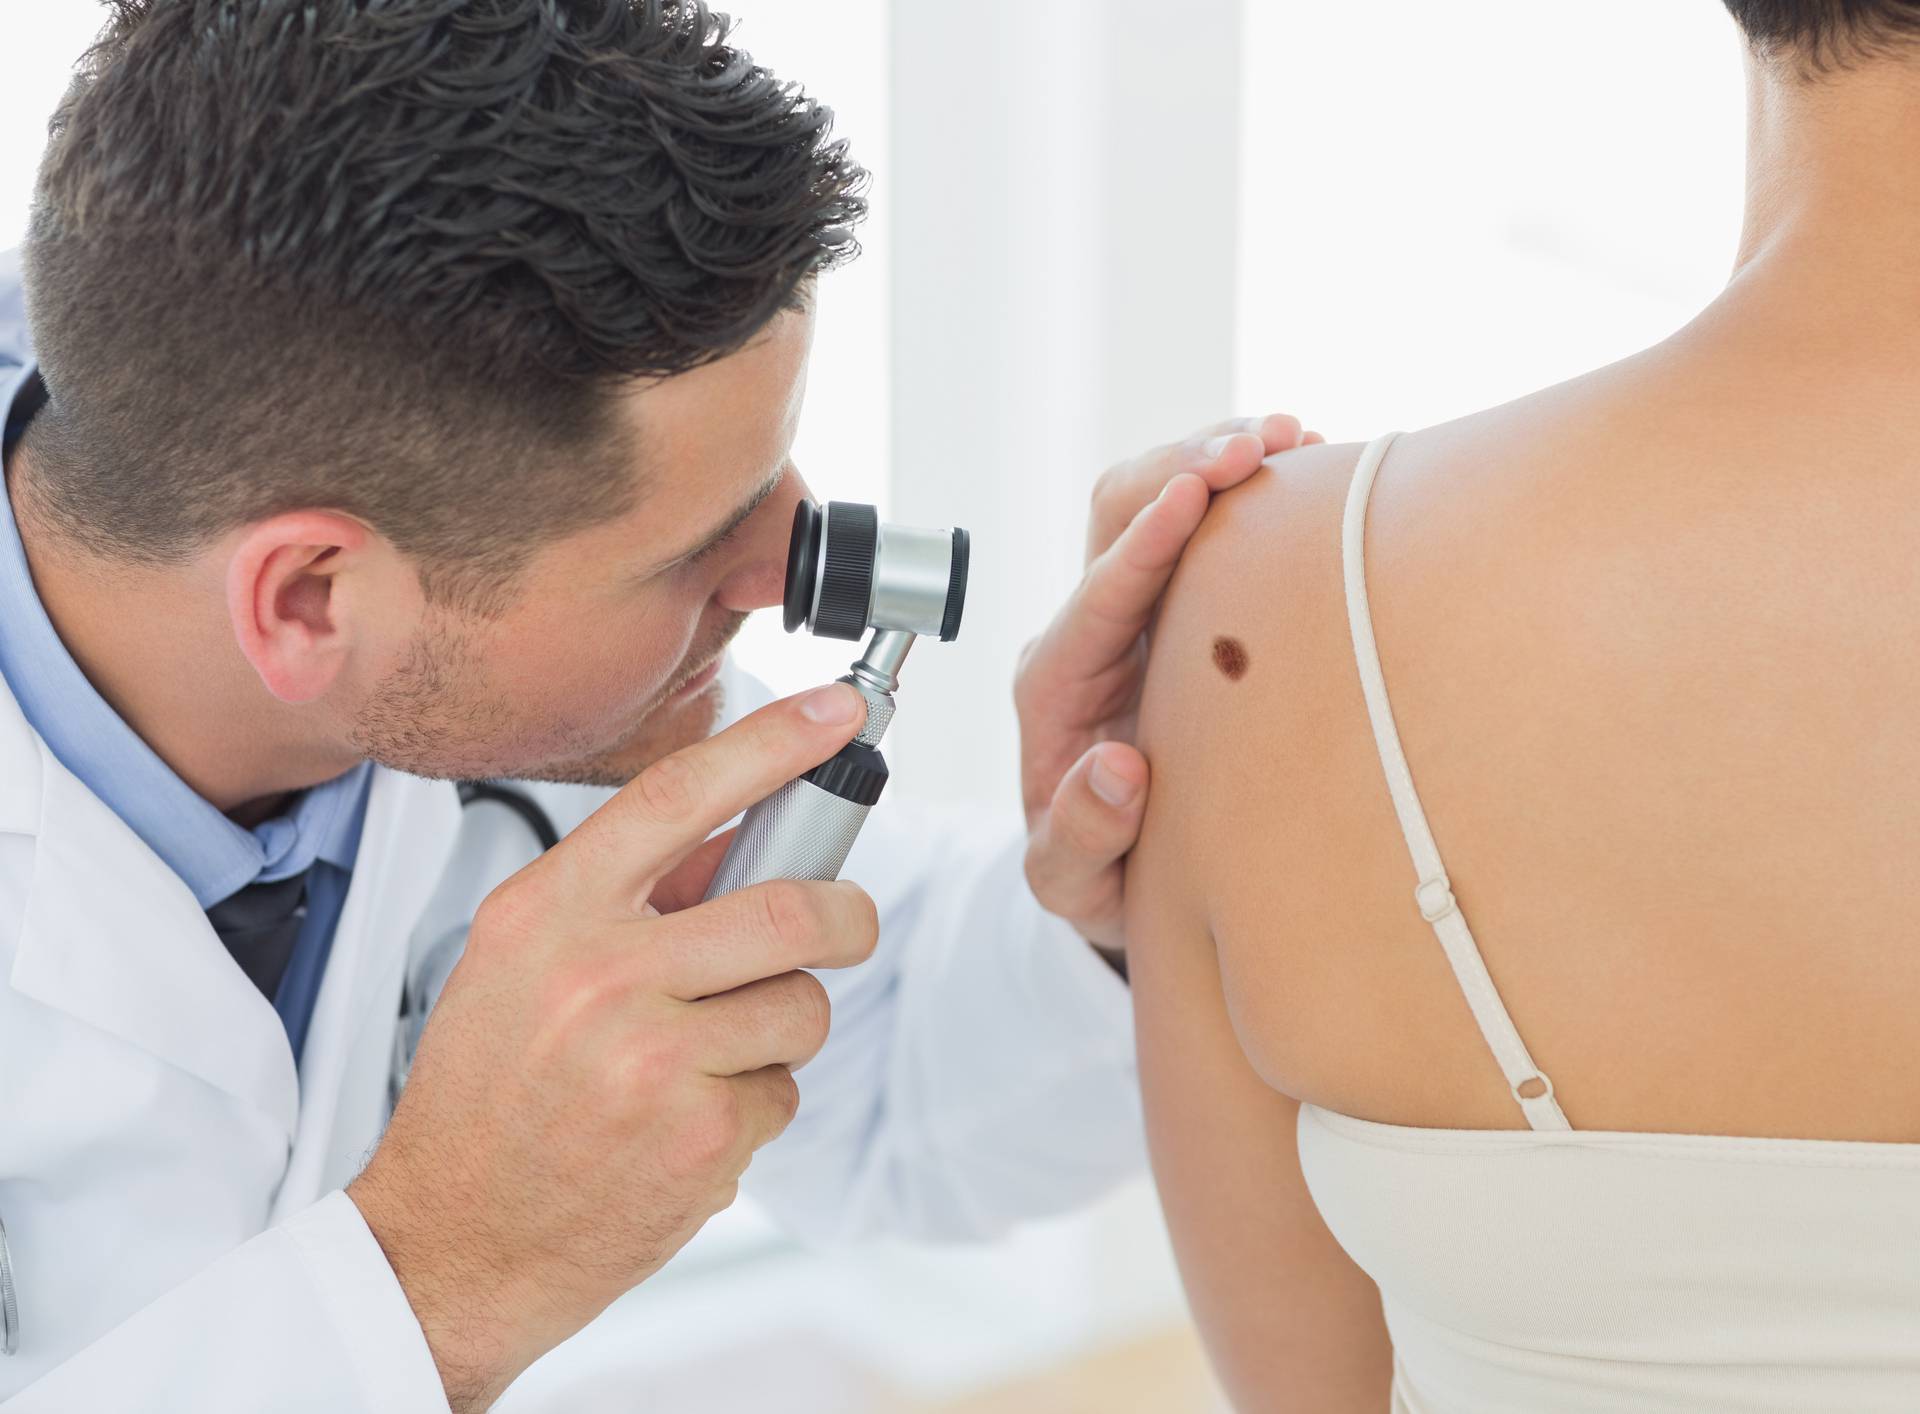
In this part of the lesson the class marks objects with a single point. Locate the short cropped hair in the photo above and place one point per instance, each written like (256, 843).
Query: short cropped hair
(1827, 32)
(395, 259)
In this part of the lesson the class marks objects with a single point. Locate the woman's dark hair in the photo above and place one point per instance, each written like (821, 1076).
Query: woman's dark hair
(1827, 31)
(394, 258)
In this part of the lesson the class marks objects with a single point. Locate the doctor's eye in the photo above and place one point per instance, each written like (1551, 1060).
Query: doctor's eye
(712, 547)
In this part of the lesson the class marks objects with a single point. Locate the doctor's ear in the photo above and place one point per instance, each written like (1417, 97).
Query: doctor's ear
(285, 599)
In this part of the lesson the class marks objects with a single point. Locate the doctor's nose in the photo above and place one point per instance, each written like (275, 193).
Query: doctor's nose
(758, 577)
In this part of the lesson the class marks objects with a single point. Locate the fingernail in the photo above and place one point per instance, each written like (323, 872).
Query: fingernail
(832, 705)
(1214, 449)
(1109, 785)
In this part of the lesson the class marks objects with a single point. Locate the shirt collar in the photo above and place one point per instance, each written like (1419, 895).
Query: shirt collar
(212, 854)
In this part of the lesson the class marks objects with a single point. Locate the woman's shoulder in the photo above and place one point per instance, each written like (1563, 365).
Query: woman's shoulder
(1536, 578)
(1638, 640)
(1546, 518)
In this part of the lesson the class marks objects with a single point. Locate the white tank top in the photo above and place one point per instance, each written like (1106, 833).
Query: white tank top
(1574, 1271)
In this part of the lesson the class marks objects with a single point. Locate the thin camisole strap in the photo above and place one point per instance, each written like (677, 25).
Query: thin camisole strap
(1434, 894)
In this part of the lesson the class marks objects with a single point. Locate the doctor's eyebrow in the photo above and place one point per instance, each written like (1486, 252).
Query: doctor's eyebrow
(727, 528)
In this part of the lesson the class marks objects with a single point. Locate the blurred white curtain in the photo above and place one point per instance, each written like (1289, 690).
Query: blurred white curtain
(1445, 206)
(1064, 204)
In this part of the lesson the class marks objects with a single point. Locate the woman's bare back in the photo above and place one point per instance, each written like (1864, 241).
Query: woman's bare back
(1651, 644)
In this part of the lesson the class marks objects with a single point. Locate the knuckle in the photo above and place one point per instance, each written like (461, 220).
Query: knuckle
(506, 913)
(813, 1009)
(1038, 866)
(582, 987)
(784, 1095)
(1021, 664)
(1035, 682)
(722, 1196)
(1077, 828)
(789, 912)
(669, 788)
(711, 1136)
(648, 1070)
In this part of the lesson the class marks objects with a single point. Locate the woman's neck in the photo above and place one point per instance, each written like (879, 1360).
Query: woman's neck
(1833, 183)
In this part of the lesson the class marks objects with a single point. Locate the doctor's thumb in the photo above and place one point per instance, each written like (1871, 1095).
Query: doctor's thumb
(1092, 823)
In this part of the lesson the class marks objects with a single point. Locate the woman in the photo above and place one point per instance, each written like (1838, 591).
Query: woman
(1590, 1064)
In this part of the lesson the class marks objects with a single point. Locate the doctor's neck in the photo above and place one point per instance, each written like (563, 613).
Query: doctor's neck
(155, 643)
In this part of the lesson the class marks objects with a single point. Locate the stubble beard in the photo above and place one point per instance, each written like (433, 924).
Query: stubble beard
(429, 718)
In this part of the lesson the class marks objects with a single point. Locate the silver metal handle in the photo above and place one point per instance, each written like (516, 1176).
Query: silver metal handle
(798, 832)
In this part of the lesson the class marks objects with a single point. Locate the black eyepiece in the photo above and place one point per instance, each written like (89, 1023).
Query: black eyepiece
(803, 559)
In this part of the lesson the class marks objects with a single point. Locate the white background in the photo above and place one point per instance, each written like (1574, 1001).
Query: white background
(1099, 223)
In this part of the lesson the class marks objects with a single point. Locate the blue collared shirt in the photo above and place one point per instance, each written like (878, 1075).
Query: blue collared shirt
(212, 854)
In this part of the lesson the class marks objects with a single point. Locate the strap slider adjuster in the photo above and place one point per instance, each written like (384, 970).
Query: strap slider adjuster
(1435, 898)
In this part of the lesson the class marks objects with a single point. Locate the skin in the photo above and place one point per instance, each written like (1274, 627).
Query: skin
(1646, 636)
(610, 1051)
(314, 646)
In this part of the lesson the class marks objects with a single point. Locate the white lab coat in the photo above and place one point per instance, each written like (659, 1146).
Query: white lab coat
(171, 1187)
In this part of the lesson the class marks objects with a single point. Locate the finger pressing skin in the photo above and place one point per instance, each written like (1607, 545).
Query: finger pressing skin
(1276, 432)
(1280, 431)
(1103, 620)
(1073, 859)
(1223, 455)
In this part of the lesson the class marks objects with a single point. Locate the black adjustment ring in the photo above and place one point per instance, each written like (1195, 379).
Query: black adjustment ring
(846, 586)
(956, 586)
(855, 773)
(803, 561)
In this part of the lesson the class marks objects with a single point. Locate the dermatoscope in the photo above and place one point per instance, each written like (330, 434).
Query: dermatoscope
(848, 572)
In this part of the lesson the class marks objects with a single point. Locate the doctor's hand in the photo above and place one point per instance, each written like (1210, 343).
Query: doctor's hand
(608, 1055)
(1082, 781)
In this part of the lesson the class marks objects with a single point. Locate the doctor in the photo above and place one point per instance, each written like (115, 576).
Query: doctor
(404, 395)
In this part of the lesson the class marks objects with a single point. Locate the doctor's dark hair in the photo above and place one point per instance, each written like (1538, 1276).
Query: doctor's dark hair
(1823, 33)
(396, 258)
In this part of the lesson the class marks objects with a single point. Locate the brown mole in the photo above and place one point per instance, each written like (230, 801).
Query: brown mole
(1230, 657)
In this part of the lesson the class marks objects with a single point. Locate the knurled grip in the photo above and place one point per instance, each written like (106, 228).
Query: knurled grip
(798, 832)
(880, 707)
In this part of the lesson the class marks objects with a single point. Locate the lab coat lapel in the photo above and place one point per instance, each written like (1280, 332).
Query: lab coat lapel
(112, 936)
(405, 847)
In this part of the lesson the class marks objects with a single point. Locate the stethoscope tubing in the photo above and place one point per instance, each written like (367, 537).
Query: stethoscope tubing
(519, 802)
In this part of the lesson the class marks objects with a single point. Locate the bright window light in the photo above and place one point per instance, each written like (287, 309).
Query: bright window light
(1446, 206)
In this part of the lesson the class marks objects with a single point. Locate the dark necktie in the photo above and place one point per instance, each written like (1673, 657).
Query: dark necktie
(259, 926)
